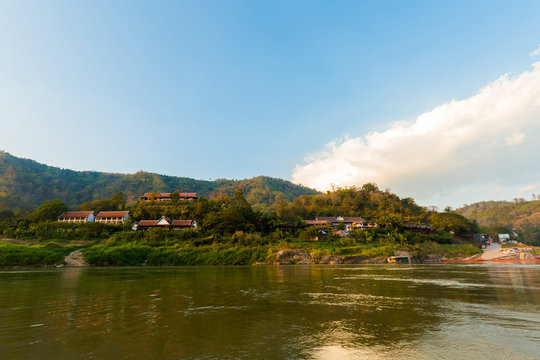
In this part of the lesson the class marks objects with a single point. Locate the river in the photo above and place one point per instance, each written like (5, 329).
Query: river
(264, 312)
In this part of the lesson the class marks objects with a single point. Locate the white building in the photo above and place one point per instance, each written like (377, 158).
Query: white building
(112, 217)
(77, 216)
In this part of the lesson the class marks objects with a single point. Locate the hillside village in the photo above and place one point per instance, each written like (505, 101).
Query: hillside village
(244, 225)
(338, 225)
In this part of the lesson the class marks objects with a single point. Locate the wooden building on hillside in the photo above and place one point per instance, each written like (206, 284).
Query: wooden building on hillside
(350, 222)
(144, 224)
(77, 216)
(188, 196)
(150, 196)
(165, 223)
(355, 222)
(317, 222)
(423, 229)
(184, 224)
(112, 217)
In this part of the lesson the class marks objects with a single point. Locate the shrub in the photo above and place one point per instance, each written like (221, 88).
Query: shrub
(24, 255)
(122, 255)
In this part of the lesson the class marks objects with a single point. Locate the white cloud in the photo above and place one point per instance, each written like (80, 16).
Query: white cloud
(459, 144)
(536, 52)
(529, 189)
(516, 138)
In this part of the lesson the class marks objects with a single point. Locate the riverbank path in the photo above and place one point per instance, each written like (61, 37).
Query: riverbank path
(75, 259)
(492, 251)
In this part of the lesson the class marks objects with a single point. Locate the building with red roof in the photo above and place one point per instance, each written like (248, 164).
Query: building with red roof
(77, 216)
(112, 217)
(151, 196)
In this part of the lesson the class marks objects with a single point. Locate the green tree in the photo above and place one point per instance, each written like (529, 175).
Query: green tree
(450, 221)
(175, 196)
(239, 198)
(49, 210)
(118, 201)
(6, 214)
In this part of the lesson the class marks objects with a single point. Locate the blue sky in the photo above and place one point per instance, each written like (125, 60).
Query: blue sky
(235, 89)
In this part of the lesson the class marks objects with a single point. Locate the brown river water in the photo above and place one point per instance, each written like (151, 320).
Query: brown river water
(456, 311)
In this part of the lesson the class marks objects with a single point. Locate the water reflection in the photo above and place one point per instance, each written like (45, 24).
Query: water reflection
(317, 312)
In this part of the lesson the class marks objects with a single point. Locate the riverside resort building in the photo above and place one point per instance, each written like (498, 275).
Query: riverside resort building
(112, 217)
(150, 196)
(165, 223)
(120, 217)
(350, 223)
(77, 216)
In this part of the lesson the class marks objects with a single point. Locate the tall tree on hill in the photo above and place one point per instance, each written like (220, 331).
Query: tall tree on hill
(49, 210)
(116, 202)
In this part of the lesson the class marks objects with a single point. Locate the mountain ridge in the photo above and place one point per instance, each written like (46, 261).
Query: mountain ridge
(26, 183)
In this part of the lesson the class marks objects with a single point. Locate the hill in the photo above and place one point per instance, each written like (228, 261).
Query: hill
(503, 216)
(26, 184)
(517, 214)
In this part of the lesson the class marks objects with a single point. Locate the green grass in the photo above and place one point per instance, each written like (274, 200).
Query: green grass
(451, 251)
(207, 255)
(190, 252)
(121, 255)
(33, 255)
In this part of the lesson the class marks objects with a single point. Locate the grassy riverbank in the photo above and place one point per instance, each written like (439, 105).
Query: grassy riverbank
(34, 255)
(230, 251)
(138, 254)
(231, 232)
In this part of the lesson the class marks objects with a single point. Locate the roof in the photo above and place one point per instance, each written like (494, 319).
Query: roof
(192, 195)
(147, 223)
(75, 214)
(316, 222)
(165, 221)
(325, 218)
(182, 222)
(354, 219)
(419, 227)
(106, 214)
(332, 219)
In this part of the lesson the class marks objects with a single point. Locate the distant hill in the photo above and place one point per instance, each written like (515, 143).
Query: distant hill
(26, 184)
(518, 214)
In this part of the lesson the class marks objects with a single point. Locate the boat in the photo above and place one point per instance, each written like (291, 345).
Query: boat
(398, 260)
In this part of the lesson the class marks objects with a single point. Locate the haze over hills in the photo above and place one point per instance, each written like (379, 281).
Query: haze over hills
(25, 183)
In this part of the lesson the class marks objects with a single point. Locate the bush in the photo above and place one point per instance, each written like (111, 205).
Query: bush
(62, 231)
(24, 255)
(207, 256)
(448, 250)
(122, 255)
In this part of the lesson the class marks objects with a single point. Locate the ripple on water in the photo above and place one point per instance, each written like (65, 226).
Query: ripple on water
(203, 310)
(367, 300)
(454, 283)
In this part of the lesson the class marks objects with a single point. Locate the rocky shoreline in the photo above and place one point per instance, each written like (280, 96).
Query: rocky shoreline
(301, 257)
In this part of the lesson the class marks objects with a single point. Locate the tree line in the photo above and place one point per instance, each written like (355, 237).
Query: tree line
(228, 215)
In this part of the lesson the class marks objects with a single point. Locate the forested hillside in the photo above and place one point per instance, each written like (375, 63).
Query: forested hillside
(505, 216)
(26, 184)
(368, 201)
(516, 214)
